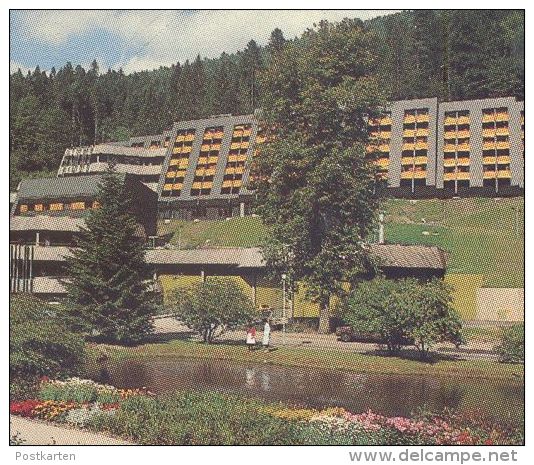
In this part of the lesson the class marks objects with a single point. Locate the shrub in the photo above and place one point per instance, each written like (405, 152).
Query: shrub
(40, 343)
(195, 418)
(512, 346)
(213, 306)
(405, 310)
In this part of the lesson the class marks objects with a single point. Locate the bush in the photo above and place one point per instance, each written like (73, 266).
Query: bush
(40, 344)
(195, 418)
(404, 310)
(512, 347)
(213, 306)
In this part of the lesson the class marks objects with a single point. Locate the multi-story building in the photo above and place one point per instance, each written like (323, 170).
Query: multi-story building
(422, 148)
(51, 211)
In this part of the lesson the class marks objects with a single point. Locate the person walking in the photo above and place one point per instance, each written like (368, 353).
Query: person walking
(266, 335)
(251, 337)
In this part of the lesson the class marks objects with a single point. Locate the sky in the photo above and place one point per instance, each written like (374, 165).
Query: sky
(138, 40)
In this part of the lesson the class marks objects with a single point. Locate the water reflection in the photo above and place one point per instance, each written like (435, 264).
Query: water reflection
(387, 394)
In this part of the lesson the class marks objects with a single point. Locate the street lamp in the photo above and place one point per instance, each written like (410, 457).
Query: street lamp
(284, 277)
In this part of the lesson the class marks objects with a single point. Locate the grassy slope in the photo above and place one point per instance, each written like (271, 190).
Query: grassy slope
(479, 234)
(316, 358)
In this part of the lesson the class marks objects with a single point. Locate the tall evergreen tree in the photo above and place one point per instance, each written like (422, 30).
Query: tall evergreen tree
(107, 274)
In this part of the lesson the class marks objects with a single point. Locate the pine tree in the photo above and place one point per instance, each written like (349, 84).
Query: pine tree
(107, 275)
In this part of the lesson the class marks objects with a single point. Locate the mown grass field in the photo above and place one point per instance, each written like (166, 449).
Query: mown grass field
(314, 358)
(484, 237)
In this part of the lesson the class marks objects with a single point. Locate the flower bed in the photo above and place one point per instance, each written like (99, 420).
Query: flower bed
(212, 418)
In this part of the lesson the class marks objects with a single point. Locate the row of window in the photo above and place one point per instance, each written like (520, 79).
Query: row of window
(57, 206)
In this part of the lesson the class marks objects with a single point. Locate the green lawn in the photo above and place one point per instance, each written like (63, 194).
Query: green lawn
(315, 358)
(481, 235)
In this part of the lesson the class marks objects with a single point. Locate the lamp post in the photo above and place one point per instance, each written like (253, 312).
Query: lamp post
(284, 277)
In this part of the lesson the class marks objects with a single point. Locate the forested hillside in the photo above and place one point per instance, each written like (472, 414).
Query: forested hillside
(449, 54)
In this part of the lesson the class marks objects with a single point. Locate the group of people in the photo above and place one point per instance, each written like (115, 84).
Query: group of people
(266, 338)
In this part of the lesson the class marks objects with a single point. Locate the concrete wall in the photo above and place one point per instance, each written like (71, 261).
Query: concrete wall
(507, 304)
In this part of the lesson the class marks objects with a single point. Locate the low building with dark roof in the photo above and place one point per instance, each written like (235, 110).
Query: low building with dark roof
(175, 268)
(51, 211)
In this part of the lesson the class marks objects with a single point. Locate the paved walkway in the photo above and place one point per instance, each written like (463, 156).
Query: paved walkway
(40, 433)
(170, 328)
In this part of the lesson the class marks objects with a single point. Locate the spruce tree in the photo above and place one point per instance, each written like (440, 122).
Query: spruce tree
(107, 274)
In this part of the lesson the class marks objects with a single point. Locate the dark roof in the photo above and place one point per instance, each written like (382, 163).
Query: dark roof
(55, 188)
(409, 256)
(388, 255)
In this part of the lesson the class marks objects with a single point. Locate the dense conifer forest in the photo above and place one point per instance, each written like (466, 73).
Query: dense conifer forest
(452, 54)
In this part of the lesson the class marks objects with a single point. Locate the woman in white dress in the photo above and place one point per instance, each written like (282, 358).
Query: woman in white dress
(266, 335)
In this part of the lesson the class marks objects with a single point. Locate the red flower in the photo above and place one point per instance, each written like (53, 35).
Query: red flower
(24, 408)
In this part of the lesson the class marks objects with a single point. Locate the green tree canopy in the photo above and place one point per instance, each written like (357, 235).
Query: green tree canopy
(314, 182)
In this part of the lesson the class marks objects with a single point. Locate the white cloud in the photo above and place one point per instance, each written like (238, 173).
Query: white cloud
(14, 66)
(154, 38)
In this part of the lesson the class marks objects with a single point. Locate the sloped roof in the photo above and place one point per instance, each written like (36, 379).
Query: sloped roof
(110, 149)
(54, 188)
(239, 257)
(45, 223)
(409, 256)
(388, 255)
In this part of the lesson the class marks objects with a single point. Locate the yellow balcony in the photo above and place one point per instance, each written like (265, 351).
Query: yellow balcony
(54, 207)
(421, 160)
(176, 150)
(170, 174)
(422, 132)
(463, 120)
(449, 176)
(227, 183)
(202, 160)
(96, 204)
(449, 120)
(180, 138)
(183, 164)
(464, 133)
(234, 158)
(419, 174)
(463, 162)
(382, 162)
(462, 175)
(374, 135)
(174, 161)
(209, 172)
(197, 185)
(369, 149)
(167, 187)
(189, 137)
(489, 175)
(449, 135)
(238, 182)
(38, 207)
(408, 146)
(489, 145)
(488, 117)
(235, 145)
(385, 121)
(407, 160)
(260, 139)
(421, 146)
(463, 147)
(424, 118)
(385, 135)
(236, 170)
(502, 116)
(408, 133)
(489, 160)
(384, 148)
(247, 132)
(504, 174)
(187, 148)
(177, 186)
(503, 159)
(488, 132)
(449, 162)
(503, 145)
(502, 131)
(409, 119)
(406, 175)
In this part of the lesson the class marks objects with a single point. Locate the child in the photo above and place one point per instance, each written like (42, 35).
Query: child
(251, 337)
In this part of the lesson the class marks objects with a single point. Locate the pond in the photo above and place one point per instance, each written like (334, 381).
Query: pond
(502, 401)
